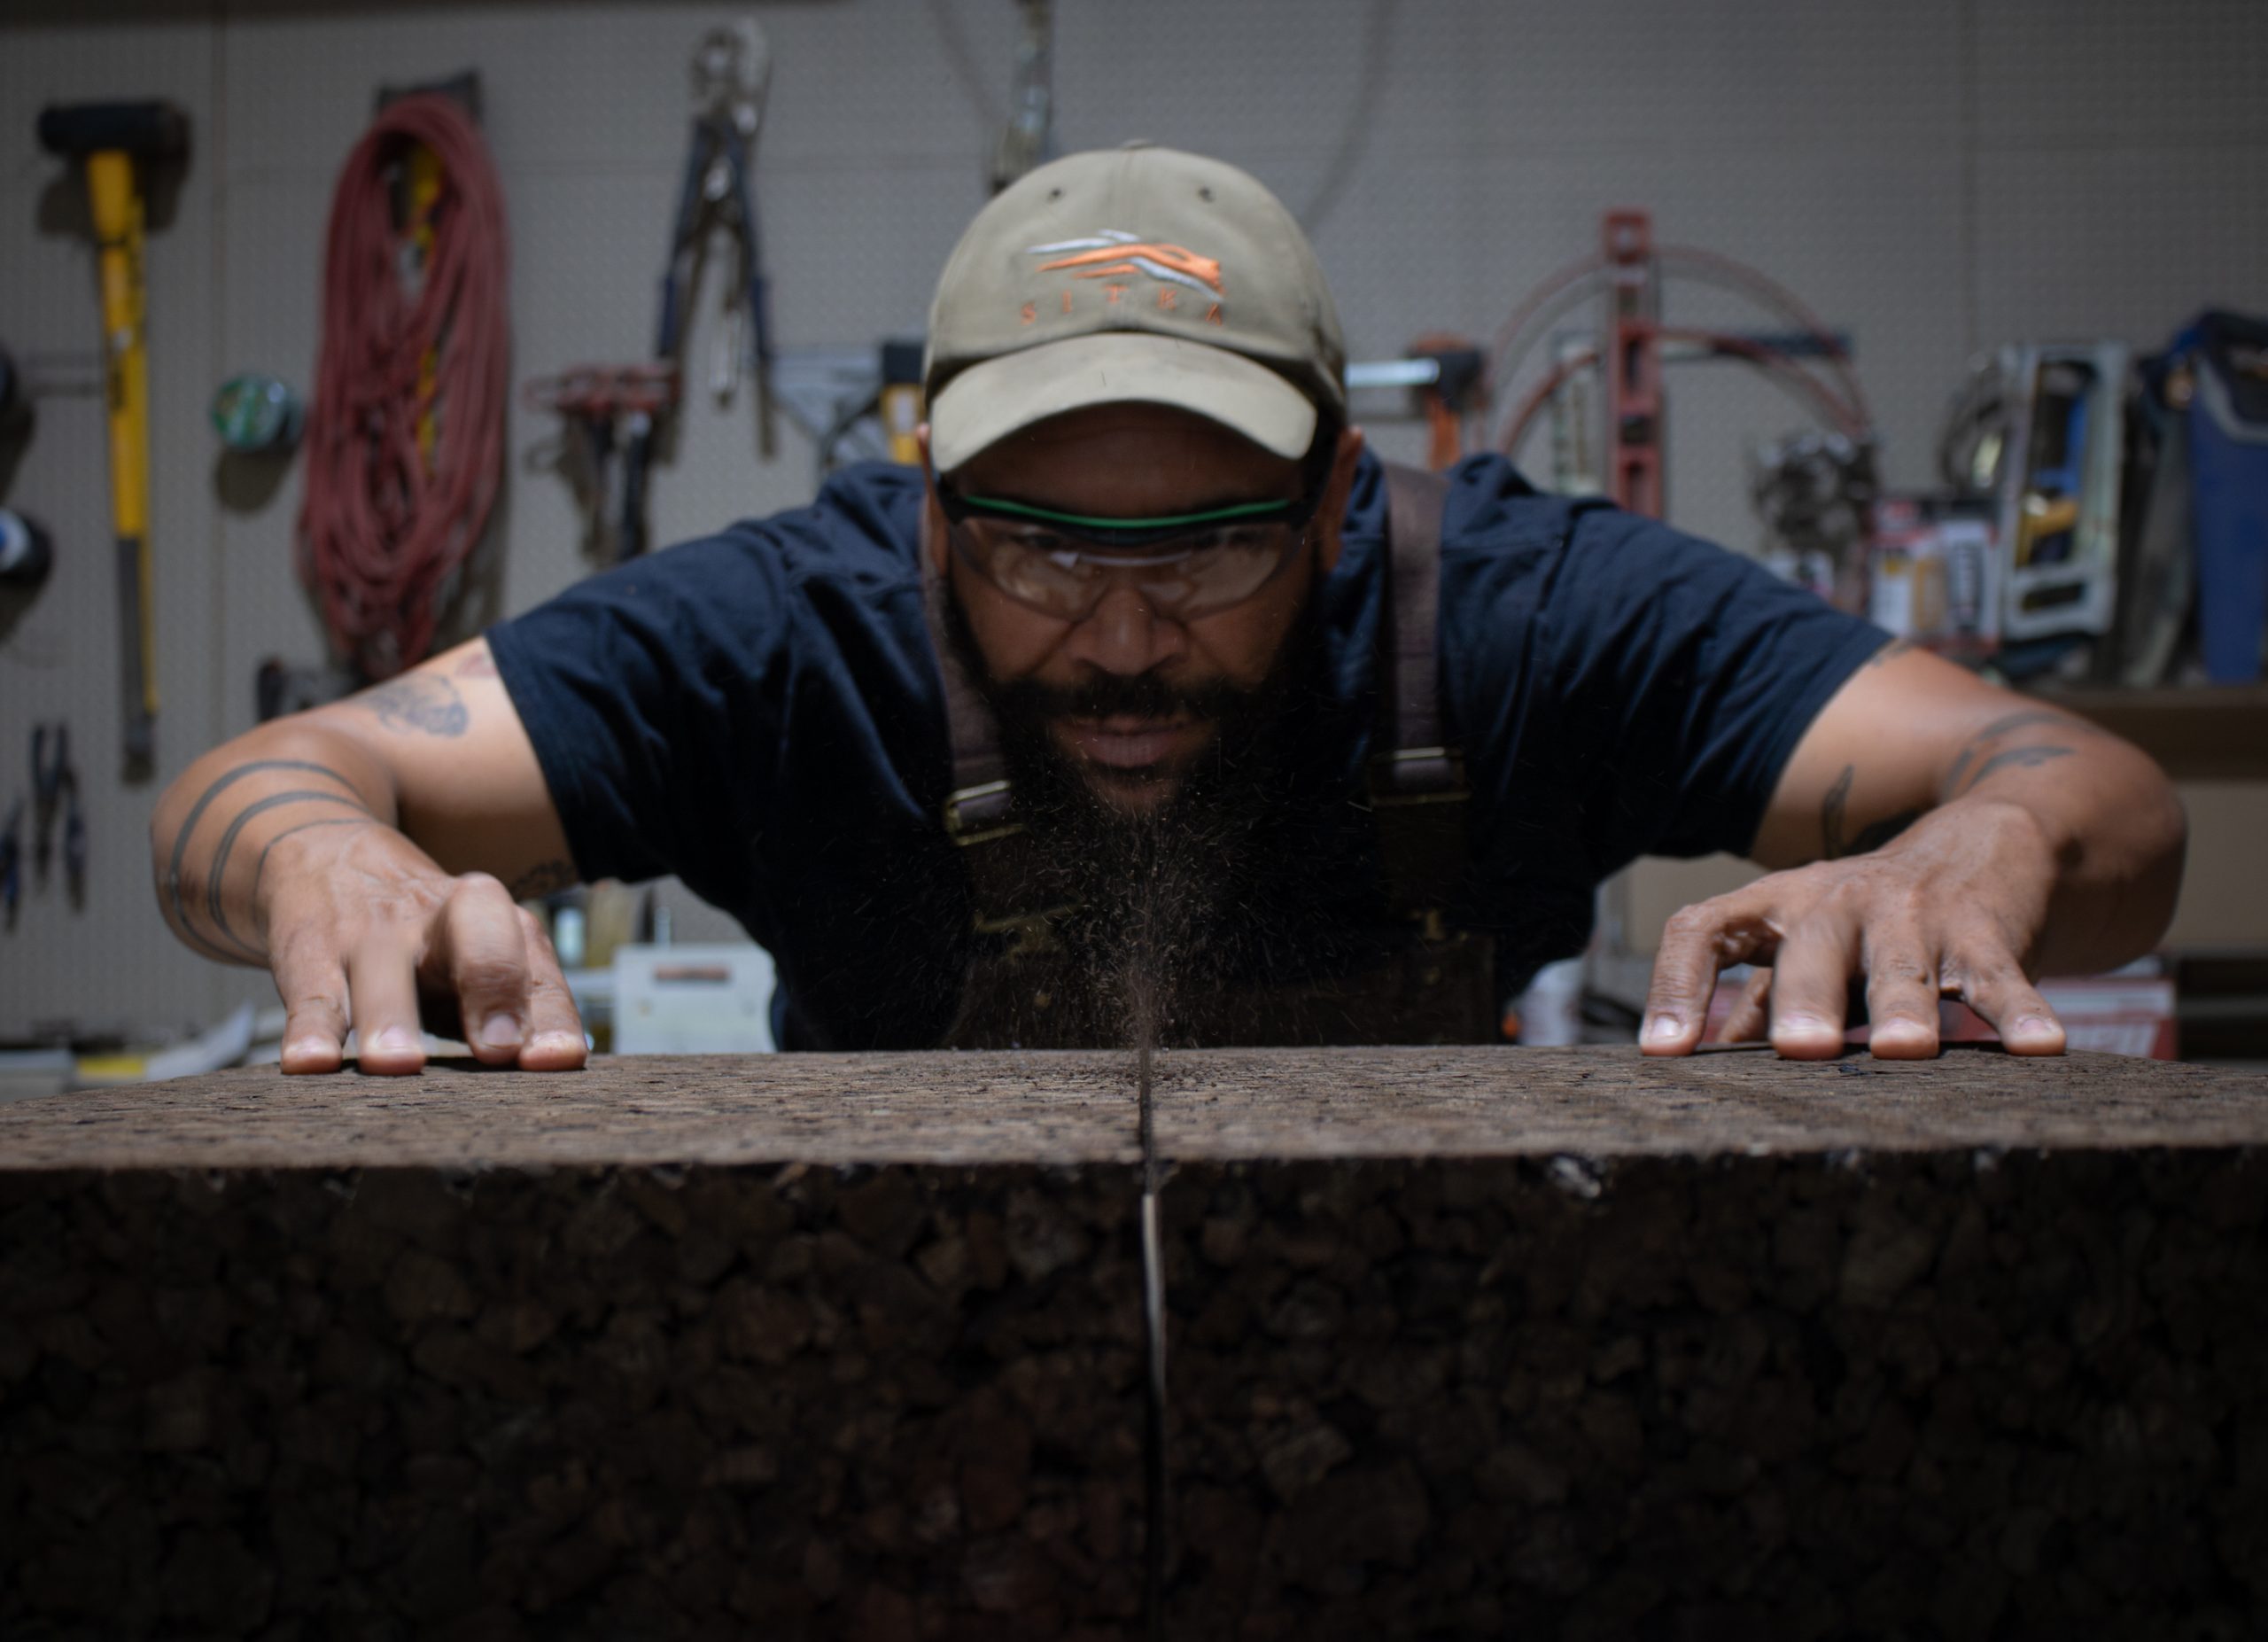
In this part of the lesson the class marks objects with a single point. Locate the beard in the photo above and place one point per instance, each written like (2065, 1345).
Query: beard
(1162, 884)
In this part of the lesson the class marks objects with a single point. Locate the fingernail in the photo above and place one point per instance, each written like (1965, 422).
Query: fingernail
(399, 1040)
(1801, 1023)
(500, 1030)
(1662, 1028)
(551, 1042)
(306, 1049)
(2033, 1026)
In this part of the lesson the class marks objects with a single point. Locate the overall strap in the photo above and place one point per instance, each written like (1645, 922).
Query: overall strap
(1417, 778)
(977, 794)
(1006, 890)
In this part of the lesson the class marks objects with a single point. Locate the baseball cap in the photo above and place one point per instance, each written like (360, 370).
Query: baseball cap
(1137, 273)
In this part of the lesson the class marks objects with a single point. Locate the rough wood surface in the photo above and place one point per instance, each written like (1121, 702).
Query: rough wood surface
(715, 1110)
(1612, 1102)
(1064, 1108)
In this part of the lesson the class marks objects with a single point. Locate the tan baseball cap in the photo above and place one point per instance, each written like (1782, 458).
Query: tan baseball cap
(1137, 273)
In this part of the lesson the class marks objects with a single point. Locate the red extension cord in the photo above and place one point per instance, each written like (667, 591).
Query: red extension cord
(383, 530)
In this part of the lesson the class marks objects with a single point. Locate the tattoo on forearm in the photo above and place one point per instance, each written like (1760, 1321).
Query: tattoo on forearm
(197, 813)
(1832, 812)
(421, 703)
(217, 871)
(2016, 757)
(479, 664)
(1890, 652)
(1976, 762)
(544, 879)
(2007, 725)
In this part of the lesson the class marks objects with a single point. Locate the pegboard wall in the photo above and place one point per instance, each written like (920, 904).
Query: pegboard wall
(1933, 177)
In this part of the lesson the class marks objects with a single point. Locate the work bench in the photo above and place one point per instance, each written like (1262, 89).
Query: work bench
(1461, 1341)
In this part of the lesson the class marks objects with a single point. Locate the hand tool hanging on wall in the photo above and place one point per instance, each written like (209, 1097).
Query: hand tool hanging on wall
(1027, 140)
(12, 862)
(405, 435)
(110, 138)
(595, 405)
(55, 791)
(732, 73)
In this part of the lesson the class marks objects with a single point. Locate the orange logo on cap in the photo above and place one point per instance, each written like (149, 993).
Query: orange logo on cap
(1113, 251)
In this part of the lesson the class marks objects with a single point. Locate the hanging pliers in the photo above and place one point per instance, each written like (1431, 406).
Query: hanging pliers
(732, 75)
(55, 787)
(12, 862)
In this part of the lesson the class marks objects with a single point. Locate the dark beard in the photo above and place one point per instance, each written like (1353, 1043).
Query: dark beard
(1161, 890)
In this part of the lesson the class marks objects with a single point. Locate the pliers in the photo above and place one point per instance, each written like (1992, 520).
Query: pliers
(11, 861)
(732, 75)
(55, 785)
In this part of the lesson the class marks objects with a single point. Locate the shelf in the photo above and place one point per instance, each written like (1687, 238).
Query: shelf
(2209, 733)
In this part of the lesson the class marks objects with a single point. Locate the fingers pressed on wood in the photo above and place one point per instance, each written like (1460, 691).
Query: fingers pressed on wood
(554, 1041)
(485, 951)
(1998, 992)
(382, 980)
(1696, 942)
(1810, 981)
(313, 987)
(1901, 995)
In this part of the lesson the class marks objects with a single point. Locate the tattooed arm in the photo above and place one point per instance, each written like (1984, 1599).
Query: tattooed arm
(362, 853)
(1936, 836)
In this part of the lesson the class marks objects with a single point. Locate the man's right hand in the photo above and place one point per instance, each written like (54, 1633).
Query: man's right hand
(363, 928)
(349, 850)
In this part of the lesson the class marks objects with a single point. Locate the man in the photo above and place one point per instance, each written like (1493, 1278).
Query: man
(1119, 695)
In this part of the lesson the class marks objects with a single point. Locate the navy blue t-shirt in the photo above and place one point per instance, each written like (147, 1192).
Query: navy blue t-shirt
(761, 714)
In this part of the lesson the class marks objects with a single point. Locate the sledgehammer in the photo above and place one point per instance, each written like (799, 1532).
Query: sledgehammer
(110, 137)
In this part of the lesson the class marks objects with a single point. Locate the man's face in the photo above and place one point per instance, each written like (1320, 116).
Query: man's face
(1130, 698)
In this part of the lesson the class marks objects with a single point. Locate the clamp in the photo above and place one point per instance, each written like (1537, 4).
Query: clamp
(596, 403)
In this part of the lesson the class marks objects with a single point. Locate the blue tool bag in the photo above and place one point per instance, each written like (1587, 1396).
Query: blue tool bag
(2227, 354)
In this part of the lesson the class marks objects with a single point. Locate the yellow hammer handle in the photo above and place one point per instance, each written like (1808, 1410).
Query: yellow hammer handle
(117, 210)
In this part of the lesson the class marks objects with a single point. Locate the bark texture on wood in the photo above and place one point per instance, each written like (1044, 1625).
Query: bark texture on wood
(1462, 1343)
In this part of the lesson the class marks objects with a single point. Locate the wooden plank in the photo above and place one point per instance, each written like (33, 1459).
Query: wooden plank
(1462, 1341)
(1072, 1108)
(721, 1109)
(1610, 1103)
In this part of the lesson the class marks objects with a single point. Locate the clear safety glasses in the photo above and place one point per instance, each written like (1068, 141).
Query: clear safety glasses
(1188, 565)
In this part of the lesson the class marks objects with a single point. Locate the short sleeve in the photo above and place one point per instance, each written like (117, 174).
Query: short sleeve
(651, 693)
(1660, 682)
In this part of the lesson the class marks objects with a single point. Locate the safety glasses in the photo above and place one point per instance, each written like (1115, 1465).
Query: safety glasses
(1187, 565)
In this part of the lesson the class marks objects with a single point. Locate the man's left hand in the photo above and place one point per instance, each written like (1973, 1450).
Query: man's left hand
(1953, 905)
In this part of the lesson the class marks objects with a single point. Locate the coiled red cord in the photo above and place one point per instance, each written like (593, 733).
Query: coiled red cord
(384, 531)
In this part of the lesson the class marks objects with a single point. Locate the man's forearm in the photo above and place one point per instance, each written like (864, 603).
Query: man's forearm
(212, 834)
(2109, 820)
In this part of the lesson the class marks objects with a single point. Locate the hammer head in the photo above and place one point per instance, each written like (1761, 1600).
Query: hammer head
(149, 130)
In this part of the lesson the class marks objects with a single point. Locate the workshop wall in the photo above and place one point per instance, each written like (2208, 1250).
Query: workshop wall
(1934, 176)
